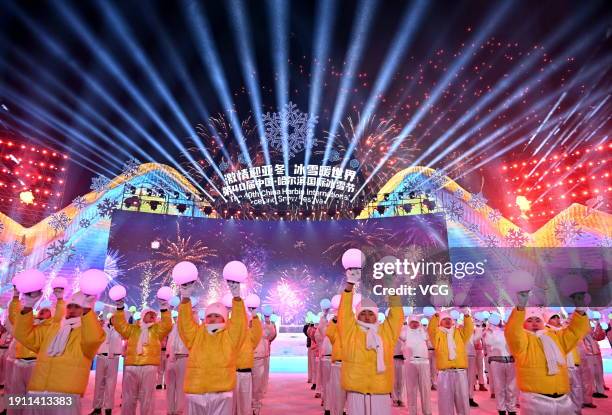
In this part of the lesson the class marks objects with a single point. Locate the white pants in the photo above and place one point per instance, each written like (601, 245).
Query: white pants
(399, 390)
(106, 381)
(161, 369)
(586, 377)
(594, 361)
(74, 409)
(259, 379)
(453, 392)
(418, 379)
(576, 388)
(243, 394)
(175, 379)
(219, 403)
(337, 395)
(536, 404)
(505, 389)
(317, 373)
(488, 373)
(432, 367)
(471, 374)
(360, 404)
(480, 367)
(138, 386)
(20, 378)
(267, 373)
(311, 365)
(324, 373)
(9, 365)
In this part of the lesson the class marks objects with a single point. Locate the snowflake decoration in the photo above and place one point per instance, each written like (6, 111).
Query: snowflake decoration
(242, 159)
(60, 251)
(354, 164)
(1, 227)
(454, 211)
(516, 238)
(105, 209)
(12, 251)
(334, 156)
(491, 241)
(459, 194)
(438, 179)
(495, 215)
(606, 242)
(567, 231)
(59, 221)
(478, 201)
(416, 183)
(79, 202)
(472, 227)
(84, 223)
(224, 165)
(299, 125)
(99, 183)
(130, 167)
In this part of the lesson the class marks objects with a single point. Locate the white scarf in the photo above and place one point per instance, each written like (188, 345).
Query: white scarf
(374, 342)
(212, 328)
(58, 344)
(554, 357)
(143, 339)
(450, 341)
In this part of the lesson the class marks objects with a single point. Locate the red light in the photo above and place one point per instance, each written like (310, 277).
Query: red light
(54, 154)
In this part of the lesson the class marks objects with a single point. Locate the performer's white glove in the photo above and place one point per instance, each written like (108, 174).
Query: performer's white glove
(120, 304)
(30, 299)
(59, 293)
(186, 289)
(163, 304)
(353, 275)
(234, 288)
(466, 311)
(89, 301)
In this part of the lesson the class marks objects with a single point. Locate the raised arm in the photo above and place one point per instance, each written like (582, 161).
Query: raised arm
(468, 328)
(26, 333)
(124, 328)
(238, 322)
(433, 328)
(92, 334)
(576, 330)
(346, 321)
(514, 333)
(60, 311)
(187, 328)
(256, 331)
(393, 323)
(164, 327)
(332, 331)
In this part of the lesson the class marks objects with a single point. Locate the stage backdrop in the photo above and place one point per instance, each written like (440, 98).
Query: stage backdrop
(292, 265)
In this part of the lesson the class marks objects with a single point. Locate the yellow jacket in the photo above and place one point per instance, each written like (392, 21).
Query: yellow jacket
(334, 337)
(531, 372)
(69, 372)
(151, 352)
(440, 345)
(359, 364)
(211, 366)
(245, 355)
(22, 352)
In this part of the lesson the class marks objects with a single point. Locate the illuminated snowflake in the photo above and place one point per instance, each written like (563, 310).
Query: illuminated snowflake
(224, 165)
(59, 221)
(438, 179)
(472, 227)
(478, 201)
(1, 226)
(354, 164)
(417, 183)
(298, 125)
(105, 209)
(516, 238)
(242, 159)
(459, 194)
(60, 251)
(12, 251)
(99, 183)
(84, 223)
(495, 215)
(454, 211)
(130, 167)
(79, 202)
(567, 231)
(491, 241)
(334, 156)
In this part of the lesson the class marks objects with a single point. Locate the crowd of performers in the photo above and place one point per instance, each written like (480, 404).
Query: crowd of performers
(537, 360)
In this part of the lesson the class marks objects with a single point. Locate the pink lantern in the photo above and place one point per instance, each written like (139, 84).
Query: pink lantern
(252, 301)
(59, 282)
(29, 281)
(235, 271)
(93, 282)
(117, 292)
(353, 258)
(227, 300)
(572, 284)
(164, 293)
(520, 280)
(184, 272)
(335, 301)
